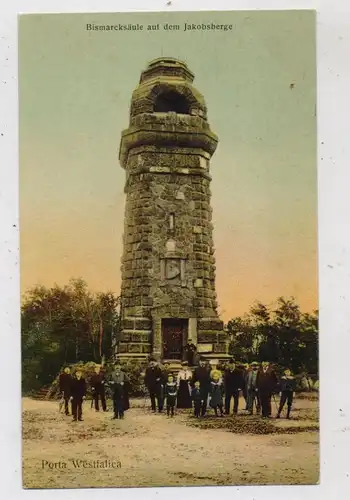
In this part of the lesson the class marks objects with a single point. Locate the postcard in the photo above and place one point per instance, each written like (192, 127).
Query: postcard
(169, 284)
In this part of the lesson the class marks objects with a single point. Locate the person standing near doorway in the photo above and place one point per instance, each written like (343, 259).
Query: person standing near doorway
(190, 351)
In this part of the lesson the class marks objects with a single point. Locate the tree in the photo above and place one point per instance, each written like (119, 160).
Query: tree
(279, 333)
(64, 325)
(243, 340)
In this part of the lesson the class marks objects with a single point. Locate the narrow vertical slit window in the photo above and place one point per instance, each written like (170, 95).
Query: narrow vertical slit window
(162, 270)
(172, 222)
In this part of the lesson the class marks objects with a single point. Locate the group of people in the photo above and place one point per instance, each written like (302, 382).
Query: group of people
(196, 388)
(207, 386)
(74, 389)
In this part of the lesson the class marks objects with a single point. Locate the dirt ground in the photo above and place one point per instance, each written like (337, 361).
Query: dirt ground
(147, 449)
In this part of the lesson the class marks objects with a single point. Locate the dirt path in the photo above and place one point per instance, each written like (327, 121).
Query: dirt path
(149, 449)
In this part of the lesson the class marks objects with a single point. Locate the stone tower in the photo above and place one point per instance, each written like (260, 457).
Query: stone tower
(168, 266)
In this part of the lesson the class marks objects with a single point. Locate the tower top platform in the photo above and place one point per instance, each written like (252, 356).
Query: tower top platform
(167, 110)
(167, 67)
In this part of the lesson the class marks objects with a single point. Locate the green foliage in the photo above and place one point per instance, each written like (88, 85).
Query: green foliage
(280, 333)
(63, 325)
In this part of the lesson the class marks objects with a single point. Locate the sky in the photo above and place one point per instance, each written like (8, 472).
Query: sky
(259, 83)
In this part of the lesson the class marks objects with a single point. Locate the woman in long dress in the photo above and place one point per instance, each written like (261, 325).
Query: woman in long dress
(184, 378)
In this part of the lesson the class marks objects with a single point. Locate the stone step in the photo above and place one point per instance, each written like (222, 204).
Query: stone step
(41, 394)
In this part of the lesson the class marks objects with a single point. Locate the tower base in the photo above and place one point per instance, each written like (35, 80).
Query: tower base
(165, 338)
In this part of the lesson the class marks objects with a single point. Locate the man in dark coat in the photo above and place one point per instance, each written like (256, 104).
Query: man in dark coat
(190, 352)
(244, 367)
(266, 382)
(154, 384)
(97, 383)
(233, 382)
(78, 393)
(65, 382)
(287, 389)
(119, 382)
(252, 390)
(202, 375)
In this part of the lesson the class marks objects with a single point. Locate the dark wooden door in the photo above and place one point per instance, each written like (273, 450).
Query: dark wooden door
(173, 337)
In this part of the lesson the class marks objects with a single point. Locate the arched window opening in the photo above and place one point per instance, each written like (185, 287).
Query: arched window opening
(171, 101)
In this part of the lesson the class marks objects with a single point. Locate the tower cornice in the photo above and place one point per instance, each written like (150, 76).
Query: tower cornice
(173, 138)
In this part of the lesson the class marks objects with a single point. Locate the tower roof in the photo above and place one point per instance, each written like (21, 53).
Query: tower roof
(167, 67)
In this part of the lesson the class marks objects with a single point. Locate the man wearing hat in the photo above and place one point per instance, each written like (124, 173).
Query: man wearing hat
(201, 374)
(252, 389)
(153, 382)
(233, 382)
(214, 369)
(119, 381)
(266, 382)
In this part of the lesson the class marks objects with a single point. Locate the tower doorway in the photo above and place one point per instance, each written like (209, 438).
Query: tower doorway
(173, 335)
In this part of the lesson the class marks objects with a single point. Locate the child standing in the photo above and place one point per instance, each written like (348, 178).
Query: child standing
(170, 392)
(197, 398)
(288, 385)
(78, 393)
(216, 394)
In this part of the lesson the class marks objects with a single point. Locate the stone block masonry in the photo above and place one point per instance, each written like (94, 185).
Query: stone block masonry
(168, 264)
